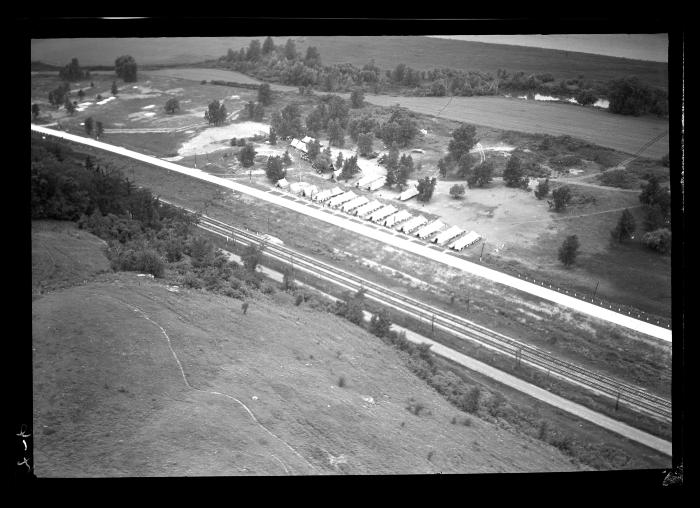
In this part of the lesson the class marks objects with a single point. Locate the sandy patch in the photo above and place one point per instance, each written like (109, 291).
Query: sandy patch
(216, 138)
(85, 104)
(105, 101)
(140, 115)
(151, 106)
(176, 90)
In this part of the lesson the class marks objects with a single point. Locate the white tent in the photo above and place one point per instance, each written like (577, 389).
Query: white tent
(342, 198)
(382, 213)
(377, 184)
(368, 208)
(413, 224)
(467, 240)
(448, 235)
(310, 191)
(308, 139)
(298, 187)
(282, 183)
(429, 229)
(299, 145)
(408, 194)
(395, 219)
(351, 205)
(335, 191)
(322, 196)
(365, 180)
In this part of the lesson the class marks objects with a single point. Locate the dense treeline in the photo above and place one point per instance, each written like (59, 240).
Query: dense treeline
(287, 66)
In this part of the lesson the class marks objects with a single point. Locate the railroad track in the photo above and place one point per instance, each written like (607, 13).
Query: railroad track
(624, 393)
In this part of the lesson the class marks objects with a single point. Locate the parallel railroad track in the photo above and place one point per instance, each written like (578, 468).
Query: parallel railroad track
(625, 393)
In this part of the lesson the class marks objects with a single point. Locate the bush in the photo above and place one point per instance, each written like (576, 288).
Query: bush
(417, 408)
(457, 191)
(617, 178)
(341, 381)
(658, 240)
(470, 401)
(298, 300)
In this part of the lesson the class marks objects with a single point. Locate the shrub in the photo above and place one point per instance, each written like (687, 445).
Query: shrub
(616, 178)
(495, 403)
(457, 191)
(341, 381)
(417, 408)
(658, 240)
(298, 300)
(470, 401)
(569, 250)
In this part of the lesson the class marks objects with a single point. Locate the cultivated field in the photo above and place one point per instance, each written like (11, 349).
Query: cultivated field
(110, 398)
(624, 133)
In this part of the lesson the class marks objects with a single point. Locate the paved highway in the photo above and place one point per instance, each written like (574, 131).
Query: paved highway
(383, 235)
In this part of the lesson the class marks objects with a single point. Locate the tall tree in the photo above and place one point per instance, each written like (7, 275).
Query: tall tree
(81, 94)
(357, 98)
(339, 160)
(560, 198)
(365, 144)
(286, 159)
(172, 105)
(275, 168)
(482, 175)
(115, 90)
(268, 45)
(514, 174)
(89, 125)
(313, 148)
(70, 107)
(463, 140)
(313, 57)
(350, 167)
(457, 191)
(247, 155)
(215, 113)
(542, 189)
(126, 68)
(272, 138)
(35, 110)
(99, 129)
(290, 50)
(569, 250)
(254, 50)
(288, 121)
(265, 94)
(426, 186)
(625, 226)
(336, 133)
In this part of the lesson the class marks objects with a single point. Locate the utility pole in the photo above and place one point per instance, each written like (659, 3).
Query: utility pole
(596, 288)
(482, 250)
(617, 401)
(195, 159)
(432, 325)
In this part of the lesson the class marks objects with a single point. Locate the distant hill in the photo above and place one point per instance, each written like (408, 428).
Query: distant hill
(429, 53)
(387, 51)
(134, 377)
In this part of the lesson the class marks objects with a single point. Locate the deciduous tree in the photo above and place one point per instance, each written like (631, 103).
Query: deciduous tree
(514, 174)
(265, 94)
(425, 187)
(542, 189)
(126, 68)
(89, 125)
(457, 191)
(172, 106)
(246, 155)
(569, 250)
(625, 226)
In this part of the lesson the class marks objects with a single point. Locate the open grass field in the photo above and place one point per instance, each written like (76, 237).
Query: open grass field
(624, 133)
(133, 379)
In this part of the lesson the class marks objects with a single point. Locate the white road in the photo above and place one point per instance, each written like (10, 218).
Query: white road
(384, 236)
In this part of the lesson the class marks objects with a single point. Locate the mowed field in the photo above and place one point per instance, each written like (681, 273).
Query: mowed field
(133, 378)
(624, 133)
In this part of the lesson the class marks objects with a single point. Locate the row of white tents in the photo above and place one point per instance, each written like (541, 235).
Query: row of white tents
(387, 215)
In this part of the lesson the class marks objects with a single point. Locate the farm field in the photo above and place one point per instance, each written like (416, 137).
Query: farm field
(623, 133)
(110, 399)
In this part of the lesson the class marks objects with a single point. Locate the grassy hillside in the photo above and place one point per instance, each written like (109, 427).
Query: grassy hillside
(135, 377)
